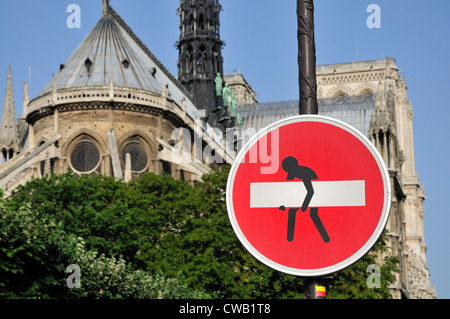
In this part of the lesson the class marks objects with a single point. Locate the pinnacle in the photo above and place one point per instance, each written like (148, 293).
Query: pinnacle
(105, 10)
(8, 126)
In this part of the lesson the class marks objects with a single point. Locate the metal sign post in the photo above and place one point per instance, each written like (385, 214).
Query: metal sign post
(308, 96)
(307, 57)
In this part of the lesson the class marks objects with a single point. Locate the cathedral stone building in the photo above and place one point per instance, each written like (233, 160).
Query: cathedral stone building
(114, 109)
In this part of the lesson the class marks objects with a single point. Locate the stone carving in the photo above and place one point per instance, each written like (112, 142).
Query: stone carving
(219, 83)
(233, 104)
(225, 94)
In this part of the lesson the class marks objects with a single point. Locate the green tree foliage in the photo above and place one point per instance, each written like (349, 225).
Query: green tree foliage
(113, 278)
(352, 282)
(32, 254)
(155, 237)
(96, 208)
(35, 251)
(42, 226)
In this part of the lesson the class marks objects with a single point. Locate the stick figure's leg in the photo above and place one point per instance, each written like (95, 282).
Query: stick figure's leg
(309, 194)
(291, 223)
(314, 213)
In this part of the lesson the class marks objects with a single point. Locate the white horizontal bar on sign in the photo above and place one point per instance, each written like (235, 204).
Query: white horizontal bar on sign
(292, 194)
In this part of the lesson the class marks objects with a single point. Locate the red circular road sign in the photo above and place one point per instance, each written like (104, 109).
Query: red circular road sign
(308, 195)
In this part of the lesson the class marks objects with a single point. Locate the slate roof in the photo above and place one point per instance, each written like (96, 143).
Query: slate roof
(112, 51)
(355, 110)
(112, 54)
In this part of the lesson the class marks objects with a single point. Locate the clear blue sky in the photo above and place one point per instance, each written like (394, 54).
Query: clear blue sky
(261, 41)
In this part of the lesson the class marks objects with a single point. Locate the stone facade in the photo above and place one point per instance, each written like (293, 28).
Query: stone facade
(392, 133)
(243, 91)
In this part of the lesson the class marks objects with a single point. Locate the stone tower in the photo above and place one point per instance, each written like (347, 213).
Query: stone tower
(200, 57)
(9, 141)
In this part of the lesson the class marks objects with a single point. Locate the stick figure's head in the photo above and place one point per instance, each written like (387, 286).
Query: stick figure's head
(289, 163)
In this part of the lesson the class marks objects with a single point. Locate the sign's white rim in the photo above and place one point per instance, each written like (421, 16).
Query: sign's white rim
(357, 255)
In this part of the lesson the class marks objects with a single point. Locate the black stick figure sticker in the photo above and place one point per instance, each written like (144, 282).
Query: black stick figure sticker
(294, 170)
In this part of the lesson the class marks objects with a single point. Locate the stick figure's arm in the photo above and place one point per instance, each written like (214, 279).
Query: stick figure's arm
(309, 194)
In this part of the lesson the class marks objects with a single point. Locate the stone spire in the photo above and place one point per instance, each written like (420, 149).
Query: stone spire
(105, 10)
(26, 98)
(9, 141)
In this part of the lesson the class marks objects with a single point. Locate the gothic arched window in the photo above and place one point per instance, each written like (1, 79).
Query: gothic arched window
(215, 60)
(366, 92)
(340, 94)
(135, 146)
(189, 62)
(201, 22)
(84, 155)
(202, 60)
(190, 25)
